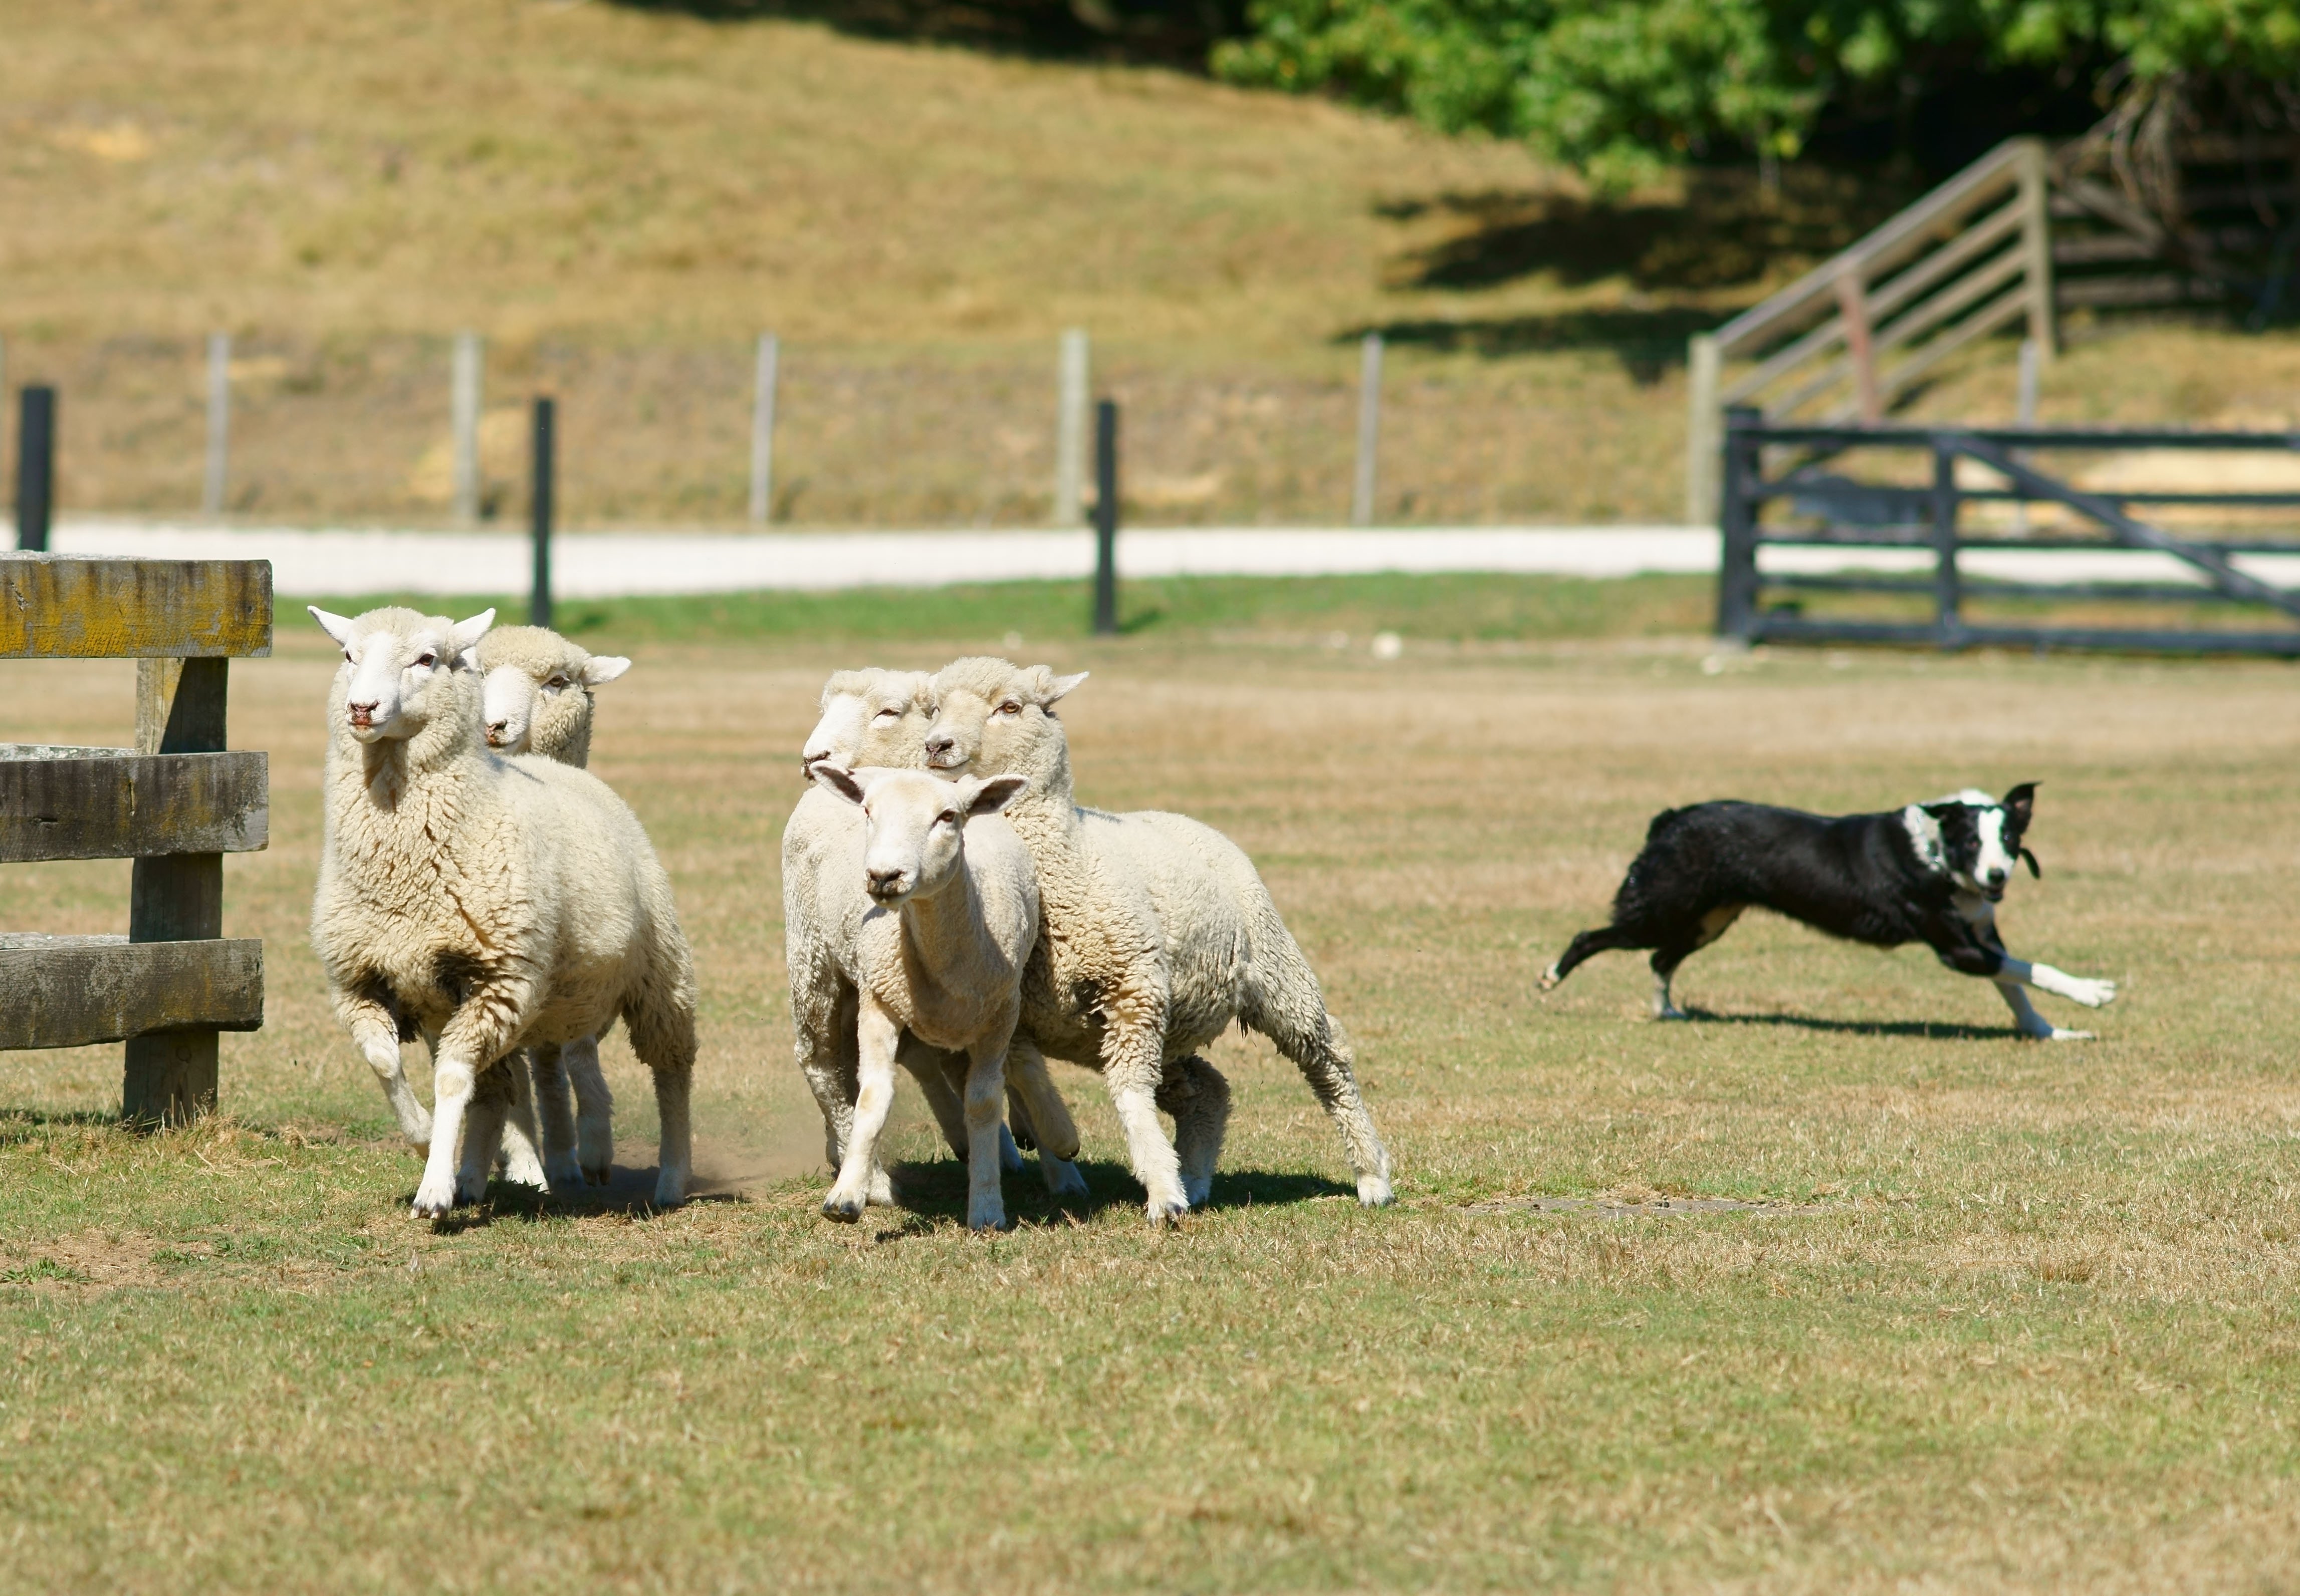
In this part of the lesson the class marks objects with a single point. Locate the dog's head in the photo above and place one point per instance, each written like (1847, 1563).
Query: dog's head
(1975, 839)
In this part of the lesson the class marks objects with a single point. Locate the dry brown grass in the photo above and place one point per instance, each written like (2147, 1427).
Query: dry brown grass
(2015, 1317)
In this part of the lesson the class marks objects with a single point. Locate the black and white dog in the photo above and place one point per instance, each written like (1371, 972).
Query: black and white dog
(1930, 873)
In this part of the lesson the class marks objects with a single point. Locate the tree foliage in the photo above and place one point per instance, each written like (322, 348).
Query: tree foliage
(1622, 88)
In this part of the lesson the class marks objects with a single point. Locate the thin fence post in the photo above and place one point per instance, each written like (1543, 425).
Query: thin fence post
(539, 496)
(762, 429)
(1369, 429)
(1852, 304)
(2037, 245)
(1704, 438)
(2024, 413)
(1106, 519)
(1070, 430)
(1948, 622)
(465, 407)
(1737, 573)
(36, 467)
(211, 487)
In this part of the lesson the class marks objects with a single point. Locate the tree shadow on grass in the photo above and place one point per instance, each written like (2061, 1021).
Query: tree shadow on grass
(1169, 33)
(1929, 1030)
(1648, 343)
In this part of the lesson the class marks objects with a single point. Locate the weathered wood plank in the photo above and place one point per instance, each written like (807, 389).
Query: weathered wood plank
(112, 804)
(99, 607)
(72, 991)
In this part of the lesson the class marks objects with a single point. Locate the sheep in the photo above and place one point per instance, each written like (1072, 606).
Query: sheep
(1155, 934)
(877, 717)
(940, 954)
(489, 904)
(536, 697)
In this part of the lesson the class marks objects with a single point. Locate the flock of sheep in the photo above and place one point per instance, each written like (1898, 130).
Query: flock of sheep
(948, 907)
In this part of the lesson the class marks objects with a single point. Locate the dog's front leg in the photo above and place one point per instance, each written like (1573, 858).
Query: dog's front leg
(2026, 1019)
(2043, 977)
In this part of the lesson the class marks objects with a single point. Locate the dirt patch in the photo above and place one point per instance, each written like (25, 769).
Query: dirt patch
(93, 1261)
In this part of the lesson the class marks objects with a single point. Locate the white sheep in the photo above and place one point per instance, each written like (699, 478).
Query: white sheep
(488, 903)
(1156, 933)
(877, 718)
(536, 697)
(954, 914)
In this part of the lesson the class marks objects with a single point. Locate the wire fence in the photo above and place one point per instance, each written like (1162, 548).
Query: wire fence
(345, 430)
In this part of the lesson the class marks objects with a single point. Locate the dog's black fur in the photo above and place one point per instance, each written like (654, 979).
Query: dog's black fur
(1862, 878)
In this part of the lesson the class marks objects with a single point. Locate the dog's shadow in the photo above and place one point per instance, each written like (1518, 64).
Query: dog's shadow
(934, 1194)
(1926, 1030)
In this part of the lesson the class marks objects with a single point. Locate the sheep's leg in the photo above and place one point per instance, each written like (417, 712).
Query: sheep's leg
(1133, 1067)
(674, 1085)
(876, 1036)
(521, 1156)
(594, 1112)
(1195, 1094)
(942, 1082)
(492, 1095)
(986, 1095)
(451, 1092)
(375, 1032)
(1051, 1124)
(550, 1064)
(1284, 1004)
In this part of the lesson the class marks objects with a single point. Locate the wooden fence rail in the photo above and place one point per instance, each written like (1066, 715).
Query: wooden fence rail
(177, 802)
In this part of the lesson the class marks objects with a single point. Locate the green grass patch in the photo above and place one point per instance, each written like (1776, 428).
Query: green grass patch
(1467, 606)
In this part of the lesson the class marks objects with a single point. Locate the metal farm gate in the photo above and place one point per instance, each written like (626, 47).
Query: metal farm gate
(1780, 493)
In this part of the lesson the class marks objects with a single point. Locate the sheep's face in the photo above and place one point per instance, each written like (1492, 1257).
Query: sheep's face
(914, 824)
(516, 696)
(1002, 730)
(398, 666)
(869, 718)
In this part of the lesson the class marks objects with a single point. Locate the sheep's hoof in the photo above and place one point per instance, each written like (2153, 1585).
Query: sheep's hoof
(1550, 978)
(433, 1202)
(1199, 1190)
(599, 1175)
(564, 1171)
(847, 1210)
(1373, 1191)
(1170, 1212)
(991, 1216)
(1062, 1178)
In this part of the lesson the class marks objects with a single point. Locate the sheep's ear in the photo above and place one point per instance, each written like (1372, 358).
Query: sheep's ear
(1064, 686)
(995, 794)
(603, 667)
(464, 638)
(831, 779)
(338, 626)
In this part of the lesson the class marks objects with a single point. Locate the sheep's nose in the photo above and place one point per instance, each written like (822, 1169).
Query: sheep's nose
(363, 711)
(885, 884)
(938, 747)
(495, 729)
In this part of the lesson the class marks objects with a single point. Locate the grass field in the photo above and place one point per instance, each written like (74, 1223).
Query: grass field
(2013, 1316)
(622, 197)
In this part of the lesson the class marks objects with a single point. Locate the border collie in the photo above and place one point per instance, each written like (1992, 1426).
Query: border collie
(1930, 873)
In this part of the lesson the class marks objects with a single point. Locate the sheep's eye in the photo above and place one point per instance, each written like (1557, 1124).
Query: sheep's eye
(425, 661)
(557, 683)
(948, 817)
(1010, 708)
(890, 712)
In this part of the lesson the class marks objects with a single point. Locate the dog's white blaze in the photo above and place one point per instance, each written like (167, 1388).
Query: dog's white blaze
(1993, 855)
(1924, 835)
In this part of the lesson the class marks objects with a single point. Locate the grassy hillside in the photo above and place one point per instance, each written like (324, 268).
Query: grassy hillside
(623, 198)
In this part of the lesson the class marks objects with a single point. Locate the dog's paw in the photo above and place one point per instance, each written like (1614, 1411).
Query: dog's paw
(1668, 1012)
(1550, 978)
(2092, 995)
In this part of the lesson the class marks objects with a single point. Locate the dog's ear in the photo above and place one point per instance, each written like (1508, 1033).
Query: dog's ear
(2020, 806)
(2036, 870)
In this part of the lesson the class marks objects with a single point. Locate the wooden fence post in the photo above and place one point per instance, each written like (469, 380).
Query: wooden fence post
(2037, 245)
(1369, 429)
(1736, 515)
(1070, 430)
(1703, 436)
(1106, 519)
(1852, 304)
(212, 485)
(169, 1077)
(36, 467)
(540, 495)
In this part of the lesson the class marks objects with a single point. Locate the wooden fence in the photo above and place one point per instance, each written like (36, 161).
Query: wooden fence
(177, 802)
